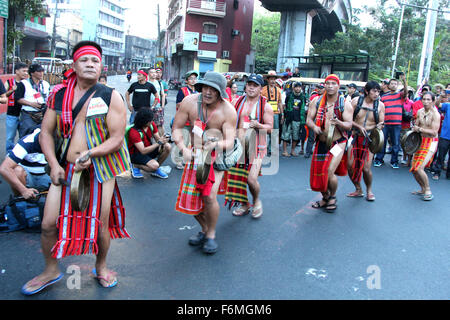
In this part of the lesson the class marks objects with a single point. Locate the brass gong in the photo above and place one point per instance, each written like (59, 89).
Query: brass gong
(376, 137)
(411, 142)
(80, 190)
(203, 167)
(330, 135)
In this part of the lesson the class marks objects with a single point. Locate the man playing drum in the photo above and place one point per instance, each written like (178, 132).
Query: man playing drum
(211, 116)
(330, 117)
(427, 124)
(368, 114)
(254, 112)
(90, 119)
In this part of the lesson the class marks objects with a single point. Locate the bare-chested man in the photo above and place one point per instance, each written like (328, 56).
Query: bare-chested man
(92, 138)
(211, 116)
(254, 112)
(427, 124)
(368, 114)
(324, 111)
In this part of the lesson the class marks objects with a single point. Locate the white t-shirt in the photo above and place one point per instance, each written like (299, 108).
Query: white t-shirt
(158, 89)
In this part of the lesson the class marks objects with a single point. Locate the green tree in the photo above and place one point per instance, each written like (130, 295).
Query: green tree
(380, 40)
(265, 39)
(21, 9)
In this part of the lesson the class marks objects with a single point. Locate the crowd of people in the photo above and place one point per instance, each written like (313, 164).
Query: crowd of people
(218, 138)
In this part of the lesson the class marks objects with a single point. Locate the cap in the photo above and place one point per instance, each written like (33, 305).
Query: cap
(352, 85)
(215, 80)
(190, 73)
(35, 68)
(320, 86)
(256, 78)
(296, 84)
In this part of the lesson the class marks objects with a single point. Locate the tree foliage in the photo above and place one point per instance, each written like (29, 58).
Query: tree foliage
(21, 9)
(380, 40)
(265, 39)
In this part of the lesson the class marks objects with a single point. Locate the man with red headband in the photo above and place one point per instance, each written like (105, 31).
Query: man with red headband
(326, 112)
(86, 121)
(141, 91)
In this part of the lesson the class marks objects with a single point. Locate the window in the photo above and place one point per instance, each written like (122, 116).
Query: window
(210, 28)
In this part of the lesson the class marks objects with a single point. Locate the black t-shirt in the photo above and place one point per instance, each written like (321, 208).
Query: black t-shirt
(141, 94)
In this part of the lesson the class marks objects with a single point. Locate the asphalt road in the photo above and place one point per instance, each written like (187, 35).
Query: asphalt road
(397, 247)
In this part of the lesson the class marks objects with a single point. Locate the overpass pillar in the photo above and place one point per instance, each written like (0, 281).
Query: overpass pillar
(295, 37)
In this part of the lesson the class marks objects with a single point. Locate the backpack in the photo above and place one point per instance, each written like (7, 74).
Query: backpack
(127, 133)
(359, 107)
(20, 214)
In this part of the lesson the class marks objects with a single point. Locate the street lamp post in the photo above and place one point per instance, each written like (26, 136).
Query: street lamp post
(398, 41)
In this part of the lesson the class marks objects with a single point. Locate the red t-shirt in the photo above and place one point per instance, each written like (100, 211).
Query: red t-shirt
(135, 137)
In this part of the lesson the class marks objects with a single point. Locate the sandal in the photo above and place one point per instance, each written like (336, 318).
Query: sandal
(111, 275)
(257, 210)
(417, 193)
(370, 197)
(330, 208)
(285, 154)
(239, 212)
(355, 194)
(317, 205)
(428, 197)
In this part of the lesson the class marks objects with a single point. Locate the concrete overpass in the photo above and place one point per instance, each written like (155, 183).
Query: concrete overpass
(305, 22)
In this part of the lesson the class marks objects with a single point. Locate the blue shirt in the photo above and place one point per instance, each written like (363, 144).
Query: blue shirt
(27, 152)
(445, 130)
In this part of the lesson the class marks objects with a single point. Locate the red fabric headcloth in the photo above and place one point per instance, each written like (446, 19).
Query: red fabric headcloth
(333, 77)
(143, 73)
(86, 50)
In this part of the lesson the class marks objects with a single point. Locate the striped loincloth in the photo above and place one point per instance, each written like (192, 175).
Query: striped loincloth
(421, 154)
(78, 231)
(237, 185)
(360, 153)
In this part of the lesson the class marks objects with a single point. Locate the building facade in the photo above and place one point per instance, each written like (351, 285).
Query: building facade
(102, 22)
(139, 52)
(209, 35)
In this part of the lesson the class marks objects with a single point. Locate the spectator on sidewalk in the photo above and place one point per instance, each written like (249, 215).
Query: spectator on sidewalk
(144, 154)
(32, 94)
(24, 167)
(13, 111)
(444, 138)
(158, 107)
(393, 102)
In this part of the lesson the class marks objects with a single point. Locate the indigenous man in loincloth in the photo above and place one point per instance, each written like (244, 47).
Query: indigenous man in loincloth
(427, 124)
(211, 116)
(254, 112)
(89, 119)
(368, 114)
(324, 111)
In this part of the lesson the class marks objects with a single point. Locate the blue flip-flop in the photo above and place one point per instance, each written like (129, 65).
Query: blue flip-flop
(29, 293)
(98, 278)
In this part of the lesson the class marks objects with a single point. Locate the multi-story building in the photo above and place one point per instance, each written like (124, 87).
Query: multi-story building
(69, 31)
(139, 52)
(103, 22)
(209, 35)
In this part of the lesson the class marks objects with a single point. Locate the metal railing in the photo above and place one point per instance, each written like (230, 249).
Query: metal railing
(204, 5)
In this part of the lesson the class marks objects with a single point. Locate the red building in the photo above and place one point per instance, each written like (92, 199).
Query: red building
(209, 35)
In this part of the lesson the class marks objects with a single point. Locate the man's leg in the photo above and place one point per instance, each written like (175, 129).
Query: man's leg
(104, 238)
(164, 154)
(368, 177)
(358, 190)
(333, 180)
(255, 188)
(212, 208)
(49, 236)
(395, 138)
(12, 123)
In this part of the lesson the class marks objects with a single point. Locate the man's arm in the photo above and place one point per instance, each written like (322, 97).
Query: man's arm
(127, 99)
(7, 171)
(310, 123)
(347, 118)
(181, 116)
(267, 124)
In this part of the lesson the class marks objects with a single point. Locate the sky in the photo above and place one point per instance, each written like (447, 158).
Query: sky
(141, 18)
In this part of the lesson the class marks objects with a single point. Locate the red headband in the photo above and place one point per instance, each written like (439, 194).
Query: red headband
(86, 50)
(333, 77)
(143, 73)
